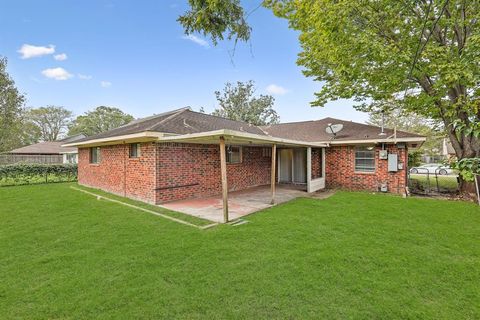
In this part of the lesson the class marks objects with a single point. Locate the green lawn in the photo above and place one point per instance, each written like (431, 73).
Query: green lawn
(64, 254)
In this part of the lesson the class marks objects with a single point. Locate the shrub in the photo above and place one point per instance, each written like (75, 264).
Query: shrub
(28, 173)
(414, 159)
(468, 168)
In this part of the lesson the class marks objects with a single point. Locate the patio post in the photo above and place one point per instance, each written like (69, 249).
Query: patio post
(223, 169)
(272, 174)
(309, 169)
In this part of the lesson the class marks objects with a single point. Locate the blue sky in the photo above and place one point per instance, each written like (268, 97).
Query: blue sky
(134, 55)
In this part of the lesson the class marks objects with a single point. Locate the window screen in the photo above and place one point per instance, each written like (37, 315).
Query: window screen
(95, 155)
(234, 154)
(365, 159)
(134, 150)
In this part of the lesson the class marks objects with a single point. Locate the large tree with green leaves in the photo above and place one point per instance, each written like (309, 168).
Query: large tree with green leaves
(99, 120)
(48, 123)
(424, 55)
(11, 110)
(238, 102)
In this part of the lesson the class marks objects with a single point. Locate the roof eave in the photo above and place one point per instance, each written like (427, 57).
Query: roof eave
(375, 141)
(133, 137)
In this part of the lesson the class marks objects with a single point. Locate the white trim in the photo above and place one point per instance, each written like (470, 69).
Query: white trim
(309, 168)
(140, 135)
(341, 142)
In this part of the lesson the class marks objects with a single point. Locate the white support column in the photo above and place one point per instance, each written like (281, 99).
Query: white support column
(273, 171)
(323, 162)
(223, 169)
(309, 169)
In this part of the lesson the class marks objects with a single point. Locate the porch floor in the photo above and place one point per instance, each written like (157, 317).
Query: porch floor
(240, 203)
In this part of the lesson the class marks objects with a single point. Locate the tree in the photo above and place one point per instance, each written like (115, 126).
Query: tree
(99, 120)
(421, 54)
(237, 102)
(11, 109)
(50, 122)
(218, 18)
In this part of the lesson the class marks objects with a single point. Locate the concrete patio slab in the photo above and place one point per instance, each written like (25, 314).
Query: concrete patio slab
(240, 203)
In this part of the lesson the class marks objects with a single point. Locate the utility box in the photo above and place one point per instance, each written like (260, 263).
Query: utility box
(392, 162)
(383, 154)
(384, 187)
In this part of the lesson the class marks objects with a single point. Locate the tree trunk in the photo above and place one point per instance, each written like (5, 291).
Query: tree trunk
(465, 147)
(466, 186)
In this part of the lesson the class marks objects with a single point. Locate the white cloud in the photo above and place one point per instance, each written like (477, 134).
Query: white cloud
(30, 51)
(197, 40)
(105, 84)
(57, 74)
(60, 57)
(276, 89)
(84, 76)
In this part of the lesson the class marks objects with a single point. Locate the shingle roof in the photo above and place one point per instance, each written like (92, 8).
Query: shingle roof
(48, 147)
(180, 121)
(314, 131)
(186, 121)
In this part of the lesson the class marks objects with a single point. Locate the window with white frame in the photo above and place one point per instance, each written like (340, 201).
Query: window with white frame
(365, 159)
(134, 150)
(234, 154)
(95, 155)
(71, 157)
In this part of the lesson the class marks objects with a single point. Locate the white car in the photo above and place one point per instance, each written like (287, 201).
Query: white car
(432, 168)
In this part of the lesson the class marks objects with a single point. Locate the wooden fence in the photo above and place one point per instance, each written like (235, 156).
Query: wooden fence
(7, 158)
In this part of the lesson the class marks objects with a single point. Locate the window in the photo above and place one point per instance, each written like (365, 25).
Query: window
(234, 154)
(267, 152)
(95, 155)
(365, 159)
(135, 150)
(71, 157)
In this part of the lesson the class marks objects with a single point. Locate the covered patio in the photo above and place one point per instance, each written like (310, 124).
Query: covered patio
(295, 160)
(240, 203)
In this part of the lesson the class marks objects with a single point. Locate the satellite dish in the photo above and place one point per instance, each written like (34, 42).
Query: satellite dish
(334, 128)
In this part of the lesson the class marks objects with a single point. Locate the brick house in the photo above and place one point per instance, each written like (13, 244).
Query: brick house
(184, 154)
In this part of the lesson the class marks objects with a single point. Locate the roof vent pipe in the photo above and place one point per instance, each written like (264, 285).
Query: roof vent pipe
(382, 133)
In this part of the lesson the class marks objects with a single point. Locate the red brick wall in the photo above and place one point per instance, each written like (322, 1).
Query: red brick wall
(316, 163)
(168, 171)
(141, 173)
(119, 174)
(340, 170)
(193, 170)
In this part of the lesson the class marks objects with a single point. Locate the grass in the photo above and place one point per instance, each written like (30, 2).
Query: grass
(445, 183)
(194, 220)
(64, 255)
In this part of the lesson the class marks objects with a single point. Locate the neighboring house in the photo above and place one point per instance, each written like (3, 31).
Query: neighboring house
(178, 155)
(47, 152)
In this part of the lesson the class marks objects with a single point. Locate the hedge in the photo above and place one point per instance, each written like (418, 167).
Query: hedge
(32, 173)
